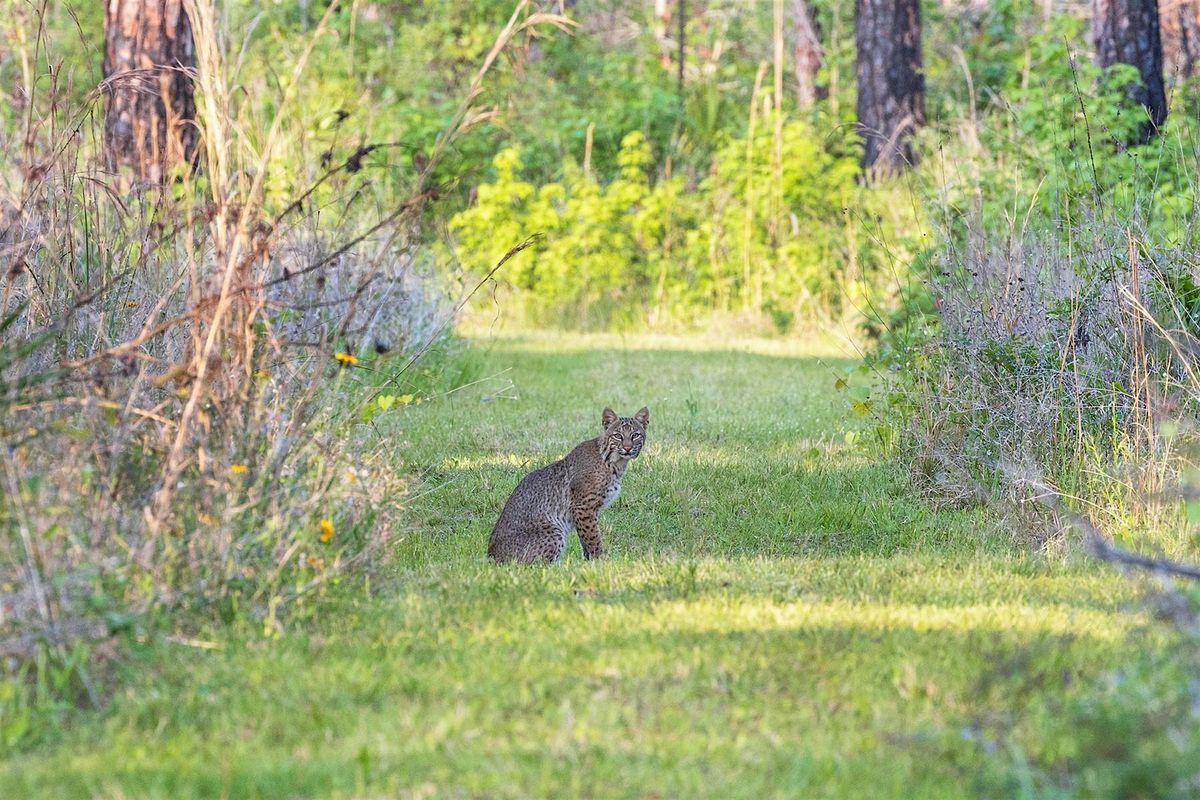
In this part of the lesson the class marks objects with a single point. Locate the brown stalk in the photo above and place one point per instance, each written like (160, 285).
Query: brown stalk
(229, 246)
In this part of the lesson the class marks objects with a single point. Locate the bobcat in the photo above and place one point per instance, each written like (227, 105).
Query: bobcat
(569, 494)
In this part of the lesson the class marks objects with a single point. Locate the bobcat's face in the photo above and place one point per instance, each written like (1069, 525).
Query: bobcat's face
(624, 436)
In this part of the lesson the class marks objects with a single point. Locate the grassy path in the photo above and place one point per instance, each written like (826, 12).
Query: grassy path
(779, 618)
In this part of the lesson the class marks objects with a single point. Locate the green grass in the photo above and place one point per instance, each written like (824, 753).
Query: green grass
(779, 617)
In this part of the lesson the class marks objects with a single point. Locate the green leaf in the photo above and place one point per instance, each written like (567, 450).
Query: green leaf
(861, 408)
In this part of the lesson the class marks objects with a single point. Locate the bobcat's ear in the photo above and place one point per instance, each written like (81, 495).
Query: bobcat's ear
(643, 417)
(608, 417)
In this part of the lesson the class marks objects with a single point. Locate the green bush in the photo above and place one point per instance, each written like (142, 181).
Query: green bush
(786, 241)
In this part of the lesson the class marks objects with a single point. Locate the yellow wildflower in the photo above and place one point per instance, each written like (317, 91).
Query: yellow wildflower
(346, 358)
(326, 530)
(238, 469)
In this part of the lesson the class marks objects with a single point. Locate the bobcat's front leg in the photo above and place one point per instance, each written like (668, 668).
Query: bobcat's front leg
(588, 526)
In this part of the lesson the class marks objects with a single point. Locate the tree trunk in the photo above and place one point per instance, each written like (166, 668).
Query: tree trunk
(149, 114)
(807, 55)
(1126, 32)
(1179, 24)
(891, 83)
(682, 53)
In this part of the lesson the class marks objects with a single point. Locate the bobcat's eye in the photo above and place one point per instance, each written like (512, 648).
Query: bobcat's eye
(637, 436)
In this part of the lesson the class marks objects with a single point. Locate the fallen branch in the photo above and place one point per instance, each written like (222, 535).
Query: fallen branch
(1101, 548)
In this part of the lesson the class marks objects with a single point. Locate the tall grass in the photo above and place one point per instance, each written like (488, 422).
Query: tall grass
(1045, 362)
(186, 370)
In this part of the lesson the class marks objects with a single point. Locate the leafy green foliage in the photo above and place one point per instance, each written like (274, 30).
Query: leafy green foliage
(1045, 145)
(767, 230)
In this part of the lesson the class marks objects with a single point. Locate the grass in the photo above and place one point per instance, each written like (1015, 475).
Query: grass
(779, 617)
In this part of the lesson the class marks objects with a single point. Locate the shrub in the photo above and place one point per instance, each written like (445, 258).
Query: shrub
(789, 238)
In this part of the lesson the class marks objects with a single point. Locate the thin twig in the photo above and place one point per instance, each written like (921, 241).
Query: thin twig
(533, 239)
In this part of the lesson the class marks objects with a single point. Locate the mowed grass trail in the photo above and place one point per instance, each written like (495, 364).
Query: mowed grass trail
(778, 617)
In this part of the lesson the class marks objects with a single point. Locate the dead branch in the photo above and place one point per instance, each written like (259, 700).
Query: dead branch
(1101, 548)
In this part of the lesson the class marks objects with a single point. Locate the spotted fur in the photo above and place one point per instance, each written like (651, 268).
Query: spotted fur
(569, 495)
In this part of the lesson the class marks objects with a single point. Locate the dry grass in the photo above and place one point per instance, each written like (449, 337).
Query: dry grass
(184, 370)
(1050, 371)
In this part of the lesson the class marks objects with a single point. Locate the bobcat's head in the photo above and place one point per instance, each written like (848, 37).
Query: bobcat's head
(623, 436)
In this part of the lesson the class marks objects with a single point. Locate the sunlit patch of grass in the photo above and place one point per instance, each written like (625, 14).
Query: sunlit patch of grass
(817, 344)
(498, 460)
(841, 614)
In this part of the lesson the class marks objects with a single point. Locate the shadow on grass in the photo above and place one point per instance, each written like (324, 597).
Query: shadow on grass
(686, 713)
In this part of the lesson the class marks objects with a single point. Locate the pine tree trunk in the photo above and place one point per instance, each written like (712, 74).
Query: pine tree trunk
(1189, 40)
(891, 82)
(1126, 32)
(1179, 25)
(807, 55)
(149, 115)
(682, 54)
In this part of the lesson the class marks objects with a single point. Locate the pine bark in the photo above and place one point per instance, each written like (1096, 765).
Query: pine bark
(682, 52)
(150, 111)
(1179, 24)
(891, 81)
(807, 55)
(1127, 32)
